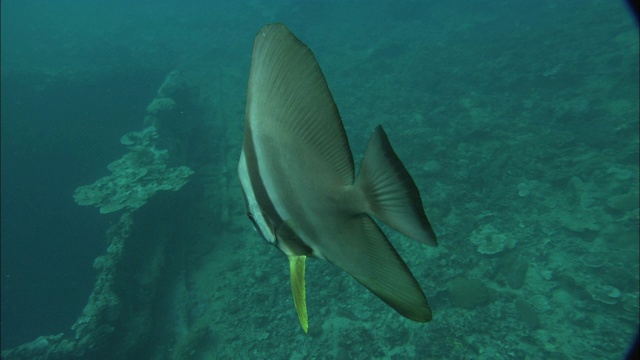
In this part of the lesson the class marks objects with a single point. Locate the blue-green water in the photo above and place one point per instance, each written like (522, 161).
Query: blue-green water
(517, 119)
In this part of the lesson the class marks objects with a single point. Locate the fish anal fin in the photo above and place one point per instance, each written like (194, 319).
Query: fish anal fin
(372, 261)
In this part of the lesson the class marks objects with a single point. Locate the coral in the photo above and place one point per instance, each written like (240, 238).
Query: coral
(594, 259)
(161, 104)
(135, 177)
(604, 293)
(489, 241)
(140, 139)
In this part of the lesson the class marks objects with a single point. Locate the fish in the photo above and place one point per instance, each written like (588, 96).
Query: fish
(300, 188)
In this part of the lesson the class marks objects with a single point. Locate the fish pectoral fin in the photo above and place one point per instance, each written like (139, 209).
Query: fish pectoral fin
(287, 230)
(289, 241)
(296, 268)
(391, 194)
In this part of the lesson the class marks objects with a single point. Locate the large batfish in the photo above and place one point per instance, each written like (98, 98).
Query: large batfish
(297, 174)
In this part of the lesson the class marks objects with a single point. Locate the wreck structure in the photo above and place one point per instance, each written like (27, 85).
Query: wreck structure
(170, 189)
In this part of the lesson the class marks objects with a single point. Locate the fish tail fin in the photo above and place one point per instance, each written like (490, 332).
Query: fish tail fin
(391, 194)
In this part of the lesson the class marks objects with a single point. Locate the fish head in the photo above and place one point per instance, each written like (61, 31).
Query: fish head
(281, 233)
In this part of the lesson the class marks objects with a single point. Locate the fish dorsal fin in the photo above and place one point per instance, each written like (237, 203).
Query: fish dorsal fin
(296, 271)
(391, 194)
(288, 97)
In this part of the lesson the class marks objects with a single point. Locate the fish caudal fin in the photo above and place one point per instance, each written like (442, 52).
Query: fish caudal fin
(391, 194)
(296, 269)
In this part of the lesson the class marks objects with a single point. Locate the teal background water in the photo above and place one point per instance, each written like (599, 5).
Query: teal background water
(518, 120)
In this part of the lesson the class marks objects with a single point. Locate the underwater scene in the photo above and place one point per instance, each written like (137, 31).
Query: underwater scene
(132, 227)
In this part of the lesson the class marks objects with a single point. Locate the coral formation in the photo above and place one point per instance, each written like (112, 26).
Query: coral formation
(594, 259)
(490, 241)
(606, 294)
(161, 104)
(135, 177)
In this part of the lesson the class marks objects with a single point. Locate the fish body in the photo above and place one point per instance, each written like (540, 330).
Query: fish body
(299, 184)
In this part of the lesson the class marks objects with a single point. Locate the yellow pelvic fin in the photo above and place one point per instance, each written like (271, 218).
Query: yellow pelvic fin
(296, 268)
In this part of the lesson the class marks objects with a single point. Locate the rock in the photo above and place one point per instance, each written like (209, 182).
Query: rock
(527, 313)
(524, 189)
(623, 203)
(621, 173)
(517, 273)
(432, 167)
(469, 293)
(579, 221)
